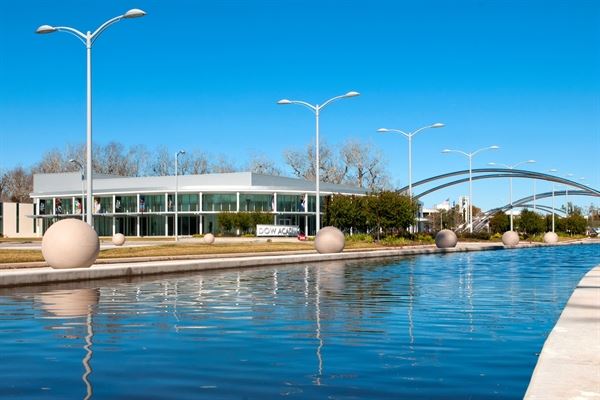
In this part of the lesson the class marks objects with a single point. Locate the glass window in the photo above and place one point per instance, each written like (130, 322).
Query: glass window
(219, 202)
(46, 207)
(256, 202)
(63, 206)
(152, 225)
(103, 205)
(290, 203)
(125, 204)
(152, 203)
(103, 226)
(187, 202)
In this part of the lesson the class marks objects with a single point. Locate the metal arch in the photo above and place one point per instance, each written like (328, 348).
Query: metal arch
(519, 173)
(475, 178)
(520, 202)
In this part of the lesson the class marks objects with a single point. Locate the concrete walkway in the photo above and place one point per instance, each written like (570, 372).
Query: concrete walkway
(569, 365)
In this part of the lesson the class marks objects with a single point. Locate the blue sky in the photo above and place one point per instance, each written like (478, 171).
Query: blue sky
(524, 75)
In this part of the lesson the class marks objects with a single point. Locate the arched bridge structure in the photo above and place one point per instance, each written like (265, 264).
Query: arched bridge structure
(499, 173)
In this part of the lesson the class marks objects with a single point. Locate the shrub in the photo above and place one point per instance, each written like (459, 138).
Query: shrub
(393, 241)
(360, 237)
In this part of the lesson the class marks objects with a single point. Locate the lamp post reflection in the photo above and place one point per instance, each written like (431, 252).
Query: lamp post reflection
(75, 304)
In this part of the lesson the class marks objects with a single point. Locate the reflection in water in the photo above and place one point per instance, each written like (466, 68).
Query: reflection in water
(75, 304)
(417, 328)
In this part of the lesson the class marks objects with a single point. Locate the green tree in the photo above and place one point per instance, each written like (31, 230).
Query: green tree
(346, 212)
(226, 221)
(389, 212)
(500, 223)
(530, 222)
(574, 224)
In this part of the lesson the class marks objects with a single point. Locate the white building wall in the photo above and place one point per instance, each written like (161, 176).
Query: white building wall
(24, 228)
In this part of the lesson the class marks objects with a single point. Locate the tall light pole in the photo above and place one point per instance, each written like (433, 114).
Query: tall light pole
(409, 136)
(470, 157)
(553, 170)
(77, 163)
(176, 232)
(511, 187)
(88, 39)
(567, 194)
(316, 109)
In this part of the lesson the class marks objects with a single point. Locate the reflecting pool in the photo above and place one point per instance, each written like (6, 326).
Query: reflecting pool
(463, 325)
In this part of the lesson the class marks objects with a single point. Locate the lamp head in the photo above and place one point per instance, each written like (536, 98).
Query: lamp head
(553, 170)
(446, 151)
(492, 163)
(494, 147)
(352, 94)
(383, 130)
(438, 125)
(531, 161)
(134, 13)
(284, 101)
(181, 152)
(43, 29)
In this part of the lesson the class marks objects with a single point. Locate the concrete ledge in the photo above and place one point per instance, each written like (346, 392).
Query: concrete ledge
(129, 267)
(37, 276)
(569, 364)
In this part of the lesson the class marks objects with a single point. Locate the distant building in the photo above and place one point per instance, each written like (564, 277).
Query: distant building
(144, 206)
(14, 221)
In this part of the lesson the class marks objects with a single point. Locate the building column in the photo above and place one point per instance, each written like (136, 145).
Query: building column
(137, 218)
(201, 216)
(274, 207)
(167, 216)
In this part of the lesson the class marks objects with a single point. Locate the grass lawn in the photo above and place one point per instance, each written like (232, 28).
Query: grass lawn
(174, 250)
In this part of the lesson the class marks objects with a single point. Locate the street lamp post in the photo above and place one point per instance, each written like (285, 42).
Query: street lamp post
(470, 157)
(77, 163)
(88, 40)
(553, 170)
(511, 187)
(567, 194)
(176, 232)
(409, 136)
(316, 109)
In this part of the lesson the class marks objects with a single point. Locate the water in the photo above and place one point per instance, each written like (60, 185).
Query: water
(456, 326)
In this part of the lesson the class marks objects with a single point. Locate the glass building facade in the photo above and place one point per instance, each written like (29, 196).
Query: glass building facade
(149, 210)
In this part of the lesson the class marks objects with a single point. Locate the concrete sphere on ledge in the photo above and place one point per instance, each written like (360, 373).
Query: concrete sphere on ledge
(330, 240)
(446, 239)
(70, 243)
(118, 239)
(510, 238)
(550, 238)
(209, 238)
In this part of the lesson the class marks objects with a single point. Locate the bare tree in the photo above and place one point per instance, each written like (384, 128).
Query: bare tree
(364, 164)
(52, 161)
(261, 164)
(302, 164)
(19, 184)
(198, 163)
(223, 165)
(3, 185)
(163, 162)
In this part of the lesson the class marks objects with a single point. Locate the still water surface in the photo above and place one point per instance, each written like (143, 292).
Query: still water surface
(455, 326)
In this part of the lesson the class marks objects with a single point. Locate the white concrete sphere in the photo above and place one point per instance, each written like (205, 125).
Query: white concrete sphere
(330, 240)
(118, 239)
(446, 239)
(70, 243)
(550, 238)
(510, 238)
(209, 238)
